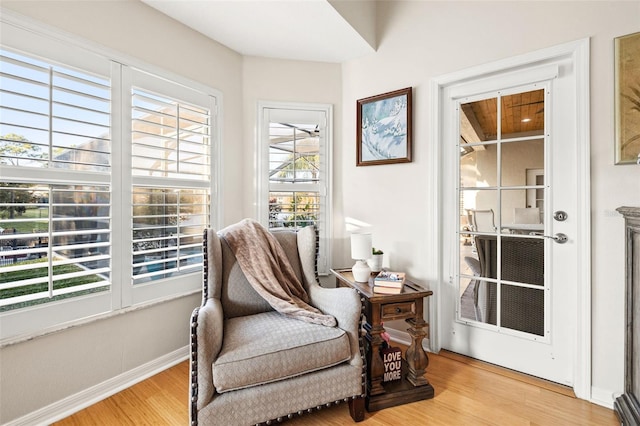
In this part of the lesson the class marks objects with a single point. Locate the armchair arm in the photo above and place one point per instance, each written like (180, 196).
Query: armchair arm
(206, 342)
(345, 305)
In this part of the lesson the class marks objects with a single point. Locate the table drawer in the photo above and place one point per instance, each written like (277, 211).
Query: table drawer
(400, 310)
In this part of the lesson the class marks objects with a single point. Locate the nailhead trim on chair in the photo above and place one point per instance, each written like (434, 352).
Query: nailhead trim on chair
(205, 267)
(194, 368)
(193, 392)
(362, 351)
(307, 411)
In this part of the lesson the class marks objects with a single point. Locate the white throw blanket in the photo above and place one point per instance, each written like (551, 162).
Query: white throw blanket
(268, 270)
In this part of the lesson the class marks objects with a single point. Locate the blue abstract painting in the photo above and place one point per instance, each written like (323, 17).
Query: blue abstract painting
(384, 129)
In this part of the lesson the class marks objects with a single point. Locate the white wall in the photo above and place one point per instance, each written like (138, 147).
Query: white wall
(42, 371)
(422, 40)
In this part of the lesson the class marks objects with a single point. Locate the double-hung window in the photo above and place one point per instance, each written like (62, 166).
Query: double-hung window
(171, 181)
(106, 183)
(56, 144)
(294, 175)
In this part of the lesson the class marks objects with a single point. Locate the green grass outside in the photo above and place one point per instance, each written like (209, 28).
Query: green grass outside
(26, 227)
(16, 276)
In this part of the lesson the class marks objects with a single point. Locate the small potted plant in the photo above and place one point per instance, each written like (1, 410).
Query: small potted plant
(375, 262)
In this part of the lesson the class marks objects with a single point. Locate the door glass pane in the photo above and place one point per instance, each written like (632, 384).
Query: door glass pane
(517, 157)
(522, 260)
(522, 309)
(478, 160)
(522, 114)
(478, 210)
(518, 217)
(477, 296)
(478, 300)
(478, 121)
(478, 166)
(512, 201)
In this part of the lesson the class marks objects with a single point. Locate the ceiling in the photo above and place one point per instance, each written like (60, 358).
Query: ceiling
(308, 30)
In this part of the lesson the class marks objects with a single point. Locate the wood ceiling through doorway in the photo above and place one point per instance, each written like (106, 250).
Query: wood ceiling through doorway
(522, 114)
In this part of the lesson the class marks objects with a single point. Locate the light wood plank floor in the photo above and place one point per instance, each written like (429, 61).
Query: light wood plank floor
(467, 392)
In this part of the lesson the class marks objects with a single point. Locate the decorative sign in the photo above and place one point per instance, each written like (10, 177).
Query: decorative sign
(392, 360)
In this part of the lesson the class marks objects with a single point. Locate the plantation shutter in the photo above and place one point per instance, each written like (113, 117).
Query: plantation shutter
(297, 173)
(55, 192)
(171, 176)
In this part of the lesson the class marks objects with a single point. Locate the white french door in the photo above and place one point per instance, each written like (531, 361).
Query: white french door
(513, 246)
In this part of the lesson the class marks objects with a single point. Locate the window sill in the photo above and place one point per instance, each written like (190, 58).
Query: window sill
(88, 320)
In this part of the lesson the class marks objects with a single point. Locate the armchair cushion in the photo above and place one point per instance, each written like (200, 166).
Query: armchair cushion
(269, 346)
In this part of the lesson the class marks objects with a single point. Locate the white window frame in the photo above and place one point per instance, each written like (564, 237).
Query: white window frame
(264, 108)
(33, 38)
(136, 78)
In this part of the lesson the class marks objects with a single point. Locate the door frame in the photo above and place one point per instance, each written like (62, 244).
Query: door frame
(578, 52)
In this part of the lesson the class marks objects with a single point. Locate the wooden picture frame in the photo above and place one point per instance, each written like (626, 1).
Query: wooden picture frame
(384, 128)
(627, 99)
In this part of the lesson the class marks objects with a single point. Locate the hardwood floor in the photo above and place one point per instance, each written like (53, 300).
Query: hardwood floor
(467, 392)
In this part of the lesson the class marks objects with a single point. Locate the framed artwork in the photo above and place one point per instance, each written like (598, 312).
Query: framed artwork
(627, 93)
(384, 128)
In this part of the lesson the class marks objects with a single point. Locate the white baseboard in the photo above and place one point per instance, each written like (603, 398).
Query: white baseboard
(74, 403)
(602, 397)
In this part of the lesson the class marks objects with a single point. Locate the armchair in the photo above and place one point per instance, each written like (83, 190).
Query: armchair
(250, 364)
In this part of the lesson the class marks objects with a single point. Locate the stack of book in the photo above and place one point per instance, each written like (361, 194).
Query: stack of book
(387, 282)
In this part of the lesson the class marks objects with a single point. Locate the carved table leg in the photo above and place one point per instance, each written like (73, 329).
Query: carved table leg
(376, 366)
(417, 359)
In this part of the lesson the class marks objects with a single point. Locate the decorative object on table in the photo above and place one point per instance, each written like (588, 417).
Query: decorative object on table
(360, 252)
(386, 337)
(384, 128)
(387, 282)
(627, 98)
(387, 290)
(392, 360)
(375, 262)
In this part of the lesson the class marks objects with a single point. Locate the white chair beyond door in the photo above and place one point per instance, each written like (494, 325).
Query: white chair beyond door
(482, 220)
(526, 215)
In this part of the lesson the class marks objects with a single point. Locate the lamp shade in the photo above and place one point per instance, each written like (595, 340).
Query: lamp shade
(360, 246)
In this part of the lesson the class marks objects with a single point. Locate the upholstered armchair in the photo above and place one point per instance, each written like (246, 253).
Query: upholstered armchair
(251, 364)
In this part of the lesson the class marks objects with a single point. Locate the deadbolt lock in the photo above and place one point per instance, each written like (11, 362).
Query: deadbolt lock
(560, 216)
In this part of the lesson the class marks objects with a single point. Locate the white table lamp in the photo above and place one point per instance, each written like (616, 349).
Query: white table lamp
(360, 252)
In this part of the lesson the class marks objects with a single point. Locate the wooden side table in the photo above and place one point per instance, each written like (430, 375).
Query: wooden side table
(407, 305)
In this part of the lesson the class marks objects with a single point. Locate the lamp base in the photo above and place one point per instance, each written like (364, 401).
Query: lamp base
(361, 271)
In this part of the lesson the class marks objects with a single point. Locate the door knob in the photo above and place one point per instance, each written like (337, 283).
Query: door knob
(559, 238)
